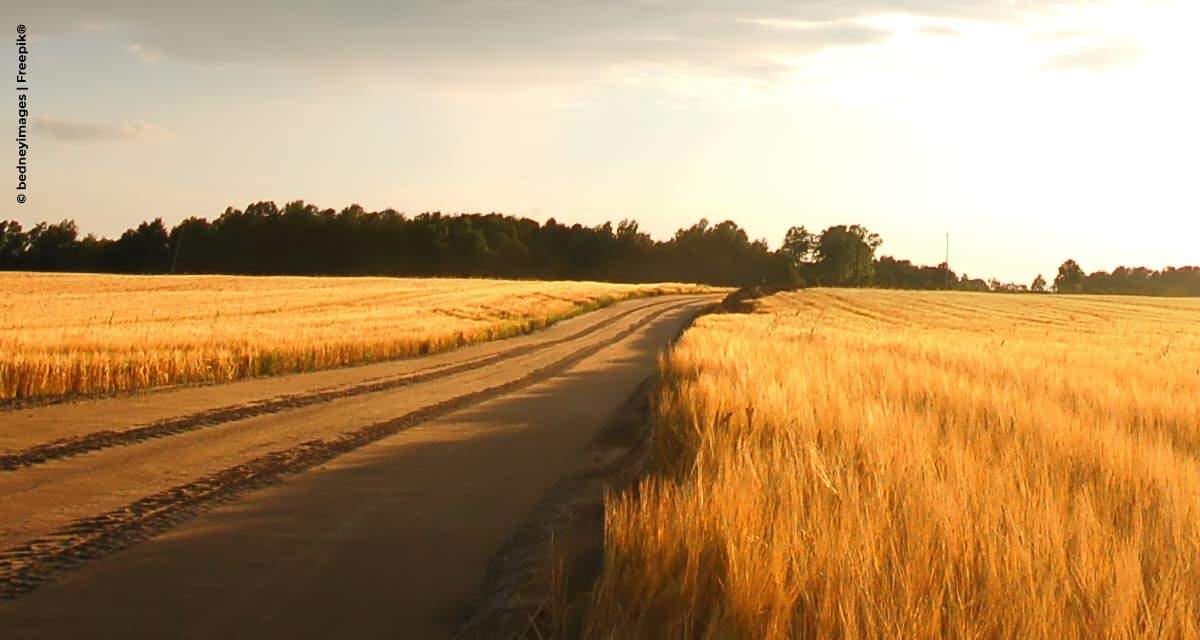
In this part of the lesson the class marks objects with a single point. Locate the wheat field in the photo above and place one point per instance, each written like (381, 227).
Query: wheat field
(875, 464)
(80, 334)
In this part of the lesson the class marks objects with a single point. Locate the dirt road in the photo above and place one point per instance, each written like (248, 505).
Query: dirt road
(358, 502)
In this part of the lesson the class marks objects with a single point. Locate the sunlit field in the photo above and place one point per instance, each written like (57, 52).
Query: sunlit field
(871, 464)
(65, 334)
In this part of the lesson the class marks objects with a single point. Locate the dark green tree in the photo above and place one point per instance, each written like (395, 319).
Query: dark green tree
(799, 245)
(52, 247)
(143, 249)
(13, 243)
(1070, 278)
(846, 256)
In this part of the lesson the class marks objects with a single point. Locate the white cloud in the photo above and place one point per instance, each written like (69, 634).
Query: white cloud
(1097, 56)
(72, 130)
(939, 30)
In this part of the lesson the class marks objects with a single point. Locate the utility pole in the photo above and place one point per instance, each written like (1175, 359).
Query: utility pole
(947, 260)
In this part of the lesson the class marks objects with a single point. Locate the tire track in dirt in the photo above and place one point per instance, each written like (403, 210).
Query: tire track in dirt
(108, 438)
(24, 567)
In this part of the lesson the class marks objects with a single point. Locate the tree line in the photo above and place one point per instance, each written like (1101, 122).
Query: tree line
(302, 239)
(1171, 281)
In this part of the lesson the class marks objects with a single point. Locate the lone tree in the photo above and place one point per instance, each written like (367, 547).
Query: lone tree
(1039, 284)
(1069, 278)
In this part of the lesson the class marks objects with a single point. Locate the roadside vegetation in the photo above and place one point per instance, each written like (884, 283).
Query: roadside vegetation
(67, 335)
(875, 464)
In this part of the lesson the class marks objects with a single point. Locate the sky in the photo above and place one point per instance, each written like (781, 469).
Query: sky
(1029, 130)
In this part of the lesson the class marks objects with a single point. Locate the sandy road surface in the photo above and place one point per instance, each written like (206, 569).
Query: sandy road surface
(356, 502)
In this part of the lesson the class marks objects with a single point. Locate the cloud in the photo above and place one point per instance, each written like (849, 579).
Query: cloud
(1097, 57)
(147, 54)
(70, 130)
(454, 38)
(939, 30)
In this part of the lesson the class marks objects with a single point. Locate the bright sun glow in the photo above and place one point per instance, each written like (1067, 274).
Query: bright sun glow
(1081, 118)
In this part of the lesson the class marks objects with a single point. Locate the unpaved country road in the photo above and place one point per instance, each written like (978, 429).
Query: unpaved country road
(359, 502)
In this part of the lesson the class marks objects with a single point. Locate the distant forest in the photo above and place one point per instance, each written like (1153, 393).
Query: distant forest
(301, 239)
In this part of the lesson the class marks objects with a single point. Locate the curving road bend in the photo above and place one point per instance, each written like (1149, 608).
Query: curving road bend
(357, 502)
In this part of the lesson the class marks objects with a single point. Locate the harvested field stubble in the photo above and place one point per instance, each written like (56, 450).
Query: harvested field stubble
(879, 464)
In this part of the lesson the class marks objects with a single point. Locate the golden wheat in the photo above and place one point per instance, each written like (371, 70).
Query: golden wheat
(871, 464)
(66, 334)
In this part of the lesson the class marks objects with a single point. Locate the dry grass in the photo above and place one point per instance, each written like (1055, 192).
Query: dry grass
(870, 464)
(63, 335)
